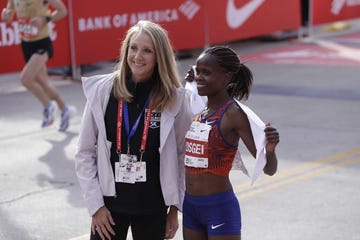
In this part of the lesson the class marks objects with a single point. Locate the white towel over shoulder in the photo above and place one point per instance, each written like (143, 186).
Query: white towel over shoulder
(257, 129)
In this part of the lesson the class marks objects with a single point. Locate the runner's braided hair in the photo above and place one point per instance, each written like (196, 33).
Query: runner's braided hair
(242, 77)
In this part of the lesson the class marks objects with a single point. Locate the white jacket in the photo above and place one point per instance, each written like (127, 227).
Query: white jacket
(92, 157)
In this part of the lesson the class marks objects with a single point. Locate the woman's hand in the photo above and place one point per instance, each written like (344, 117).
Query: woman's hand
(172, 223)
(272, 138)
(7, 15)
(102, 222)
(190, 75)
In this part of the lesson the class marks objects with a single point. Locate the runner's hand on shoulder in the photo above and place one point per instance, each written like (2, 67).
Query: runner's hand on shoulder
(190, 75)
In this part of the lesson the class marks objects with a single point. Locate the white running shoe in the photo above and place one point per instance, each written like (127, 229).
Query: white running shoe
(49, 114)
(67, 113)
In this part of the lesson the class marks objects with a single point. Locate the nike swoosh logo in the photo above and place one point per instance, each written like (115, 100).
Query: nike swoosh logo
(336, 7)
(210, 122)
(216, 226)
(236, 17)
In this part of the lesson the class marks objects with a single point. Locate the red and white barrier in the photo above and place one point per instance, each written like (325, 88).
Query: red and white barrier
(100, 27)
(231, 20)
(95, 32)
(327, 11)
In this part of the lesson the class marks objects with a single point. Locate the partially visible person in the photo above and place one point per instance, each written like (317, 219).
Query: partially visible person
(305, 7)
(130, 153)
(33, 17)
(197, 102)
(211, 209)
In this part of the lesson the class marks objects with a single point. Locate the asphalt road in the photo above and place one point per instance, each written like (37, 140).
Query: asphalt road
(310, 94)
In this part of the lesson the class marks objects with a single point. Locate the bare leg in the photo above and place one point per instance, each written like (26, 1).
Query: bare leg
(43, 79)
(189, 234)
(228, 237)
(34, 77)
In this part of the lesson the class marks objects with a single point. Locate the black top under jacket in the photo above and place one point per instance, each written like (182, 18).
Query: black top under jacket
(141, 197)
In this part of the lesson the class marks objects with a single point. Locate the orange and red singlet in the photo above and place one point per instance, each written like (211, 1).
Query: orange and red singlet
(206, 148)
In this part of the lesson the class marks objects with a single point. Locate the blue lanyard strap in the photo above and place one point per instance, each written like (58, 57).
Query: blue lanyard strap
(131, 133)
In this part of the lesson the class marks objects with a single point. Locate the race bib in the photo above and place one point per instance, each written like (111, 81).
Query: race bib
(26, 29)
(196, 146)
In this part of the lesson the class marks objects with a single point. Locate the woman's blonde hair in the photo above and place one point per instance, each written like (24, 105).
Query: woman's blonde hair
(165, 67)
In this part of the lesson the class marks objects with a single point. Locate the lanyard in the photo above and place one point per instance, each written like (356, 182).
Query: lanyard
(123, 106)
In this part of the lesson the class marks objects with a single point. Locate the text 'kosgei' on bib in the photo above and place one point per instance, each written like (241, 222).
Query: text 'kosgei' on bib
(196, 149)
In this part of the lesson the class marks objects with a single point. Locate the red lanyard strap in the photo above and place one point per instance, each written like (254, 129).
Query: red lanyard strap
(119, 128)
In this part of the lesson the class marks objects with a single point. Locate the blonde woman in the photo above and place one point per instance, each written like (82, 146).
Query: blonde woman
(130, 154)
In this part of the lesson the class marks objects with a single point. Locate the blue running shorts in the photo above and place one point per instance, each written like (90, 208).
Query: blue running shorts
(216, 214)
